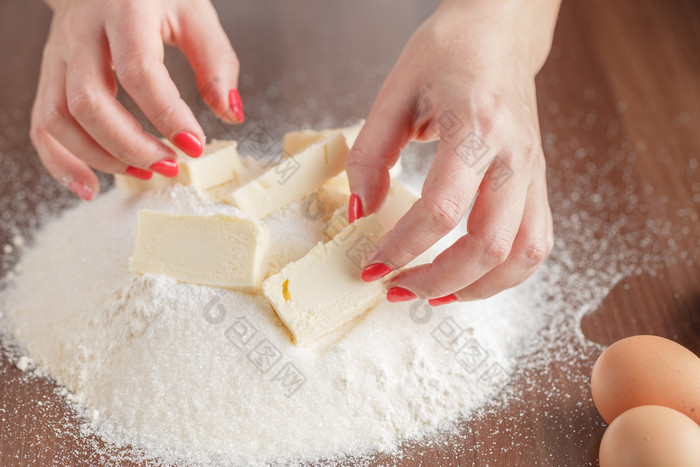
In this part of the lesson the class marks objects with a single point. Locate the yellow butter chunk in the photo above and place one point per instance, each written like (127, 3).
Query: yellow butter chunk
(323, 290)
(218, 164)
(341, 184)
(397, 203)
(291, 179)
(217, 250)
(294, 142)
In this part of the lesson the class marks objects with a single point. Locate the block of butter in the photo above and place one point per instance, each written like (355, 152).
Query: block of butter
(341, 184)
(397, 203)
(323, 290)
(291, 179)
(219, 163)
(217, 250)
(294, 141)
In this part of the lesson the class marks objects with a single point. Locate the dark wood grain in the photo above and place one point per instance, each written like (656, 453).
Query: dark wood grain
(632, 66)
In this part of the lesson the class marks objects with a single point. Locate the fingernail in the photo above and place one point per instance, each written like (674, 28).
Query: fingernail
(375, 271)
(139, 173)
(354, 208)
(399, 294)
(166, 167)
(443, 300)
(81, 189)
(188, 143)
(234, 101)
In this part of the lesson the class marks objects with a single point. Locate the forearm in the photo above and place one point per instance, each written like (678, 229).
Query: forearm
(532, 22)
(53, 4)
(538, 19)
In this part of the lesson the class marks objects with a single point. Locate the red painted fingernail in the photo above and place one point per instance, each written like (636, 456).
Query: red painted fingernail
(443, 300)
(399, 294)
(81, 189)
(354, 208)
(166, 167)
(188, 143)
(234, 101)
(375, 271)
(139, 173)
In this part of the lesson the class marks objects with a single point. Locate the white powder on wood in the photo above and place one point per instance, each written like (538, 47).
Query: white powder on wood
(606, 230)
(197, 373)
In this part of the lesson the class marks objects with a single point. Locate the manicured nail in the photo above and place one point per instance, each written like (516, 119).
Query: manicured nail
(81, 189)
(234, 101)
(188, 143)
(139, 173)
(443, 300)
(399, 294)
(166, 167)
(375, 271)
(354, 208)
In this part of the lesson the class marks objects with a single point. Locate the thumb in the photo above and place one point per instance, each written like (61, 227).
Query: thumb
(208, 49)
(386, 132)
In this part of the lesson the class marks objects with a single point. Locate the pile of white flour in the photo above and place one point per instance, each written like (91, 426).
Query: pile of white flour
(203, 375)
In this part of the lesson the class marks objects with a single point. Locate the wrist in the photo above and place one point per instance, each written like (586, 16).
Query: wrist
(524, 26)
(54, 4)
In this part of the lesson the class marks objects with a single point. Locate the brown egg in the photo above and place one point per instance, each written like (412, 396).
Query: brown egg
(646, 370)
(651, 436)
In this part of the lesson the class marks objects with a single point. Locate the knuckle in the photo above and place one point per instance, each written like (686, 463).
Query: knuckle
(497, 247)
(51, 118)
(227, 56)
(532, 150)
(83, 102)
(165, 112)
(129, 154)
(535, 252)
(492, 119)
(443, 213)
(380, 155)
(372, 166)
(36, 130)
(497, 120)
(480, 293)
(431, 285)
(132, 68)
(436, 292)
(355, 159)
(358, 158)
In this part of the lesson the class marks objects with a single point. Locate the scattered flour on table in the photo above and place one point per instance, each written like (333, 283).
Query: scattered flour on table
(203, 375)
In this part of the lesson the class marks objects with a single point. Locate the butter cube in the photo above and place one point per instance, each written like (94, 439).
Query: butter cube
(323, 290)
(217, 250)
(291, 179)
(397, 203)
(219, 163)
(294, 142)
(341, 184)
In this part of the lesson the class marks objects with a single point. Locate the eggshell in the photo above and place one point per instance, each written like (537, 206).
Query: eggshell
(646, 370)
(651, 436)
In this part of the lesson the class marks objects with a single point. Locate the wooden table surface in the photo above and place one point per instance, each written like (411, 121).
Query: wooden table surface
(619, 105)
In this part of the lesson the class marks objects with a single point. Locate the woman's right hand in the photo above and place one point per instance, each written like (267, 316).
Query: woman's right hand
(78, 125)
